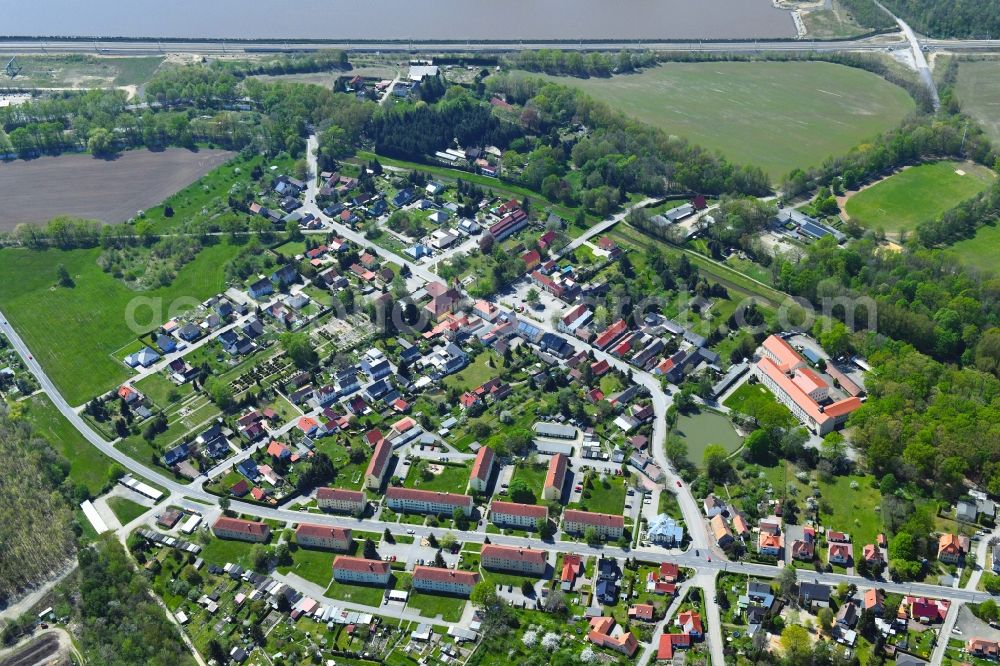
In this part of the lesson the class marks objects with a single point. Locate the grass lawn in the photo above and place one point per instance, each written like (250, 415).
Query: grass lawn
(918, 194)
(475, 373)
(749, 398)
(159, 389)
(221, 551)
(126, 510)
(312, 564)
(368, 595)
(431, 605)
(87, 465)
(73, 331)
(743, 110)
(607, 496)
(979, 90)
(703, 428)
(453, 477)
(533, 476)
(982, 250)
(851, 510)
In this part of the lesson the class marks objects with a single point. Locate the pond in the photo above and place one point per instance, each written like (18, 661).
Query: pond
(703, 428)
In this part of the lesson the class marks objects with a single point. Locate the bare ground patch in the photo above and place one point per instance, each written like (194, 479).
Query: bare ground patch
(112, 191)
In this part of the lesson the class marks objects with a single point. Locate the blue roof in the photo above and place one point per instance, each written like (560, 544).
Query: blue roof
(814, 230)
(811, 355)
(248, 468)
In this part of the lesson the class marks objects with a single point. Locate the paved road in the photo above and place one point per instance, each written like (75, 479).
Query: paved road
(918, 57)
(601, 227)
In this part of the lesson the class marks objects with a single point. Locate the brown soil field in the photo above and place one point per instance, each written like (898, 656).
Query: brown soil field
(107, 190)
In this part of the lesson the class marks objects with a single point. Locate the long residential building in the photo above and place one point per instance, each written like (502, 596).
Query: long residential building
(555, 477)
(444, 581)
(411, 500)
(784, 372)
(523, 516)
(378, 465)
(340, 499)
(512, 558)
(607, 525)
(323, 536)
(242, 530)
(482, 469)
(359, 570)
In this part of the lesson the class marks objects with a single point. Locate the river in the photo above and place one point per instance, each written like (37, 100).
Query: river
(420, 20)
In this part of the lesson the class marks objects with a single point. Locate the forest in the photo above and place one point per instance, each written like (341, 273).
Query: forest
(37, 529)
(949, 18)
(122, 624)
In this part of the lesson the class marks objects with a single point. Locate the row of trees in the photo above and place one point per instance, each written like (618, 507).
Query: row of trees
(578, 63)
(949, 18)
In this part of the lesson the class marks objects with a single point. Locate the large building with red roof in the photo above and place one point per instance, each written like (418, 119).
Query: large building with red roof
(444, 581)
(608, 526)
(341, 500)
(522, 516)
(242, 530)
(784, 372)
(555, 477)
(512, 558)
(604, 634)
(354, 570)
(323, 536)
(481, 469)
(378, 465)
(411, 500)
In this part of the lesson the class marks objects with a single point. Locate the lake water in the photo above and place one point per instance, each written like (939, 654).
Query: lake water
(402, 19)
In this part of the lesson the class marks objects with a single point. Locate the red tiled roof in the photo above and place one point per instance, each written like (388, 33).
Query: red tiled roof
(277, 449)
(380, 458)
(668, 642)
(373, 436)
(323, 532)
(239, 525)
(469, 578)
(346, 563)
(514, 554)
(610, 334)
(395, 492)
(516, 509)
(340, 494)
(591, 518)
(556, 474)
(484, 462)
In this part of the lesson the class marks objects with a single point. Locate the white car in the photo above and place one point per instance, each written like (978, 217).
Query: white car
(410, 532)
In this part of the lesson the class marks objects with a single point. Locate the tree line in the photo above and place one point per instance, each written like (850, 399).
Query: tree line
(949, 18)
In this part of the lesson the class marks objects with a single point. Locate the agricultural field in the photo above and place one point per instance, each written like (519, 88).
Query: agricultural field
(84, 71)
(73, 331)
(776, 115)
(106, 190)
(919, 194)
(979, 91)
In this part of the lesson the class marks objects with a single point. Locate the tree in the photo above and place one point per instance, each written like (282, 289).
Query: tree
(591, 536)
(520, 492)
(825, 618)
(259, 557)
(461, 520)
(532, 296)
(100, 142)
(527, 589)
(786, 582)
(716, 463)
(795, 644)
(439, 560)
(299, 349)
(371, 553)
(63, 276)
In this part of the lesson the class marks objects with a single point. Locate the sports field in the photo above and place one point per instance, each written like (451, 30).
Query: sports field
(776, 115)
(72, 331)
(982, 250)
(979, 91)
(918, 194)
